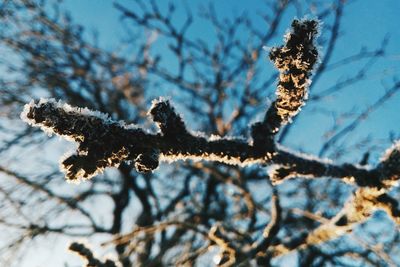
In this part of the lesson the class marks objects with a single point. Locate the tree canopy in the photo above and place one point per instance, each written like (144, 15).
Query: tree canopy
(173, 164)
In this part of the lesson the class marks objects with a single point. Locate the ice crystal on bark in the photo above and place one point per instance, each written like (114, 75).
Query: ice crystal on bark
(170, 123)
(295, 61)
(86, 253)
(104, 143)
(390, 165)
(96, 134)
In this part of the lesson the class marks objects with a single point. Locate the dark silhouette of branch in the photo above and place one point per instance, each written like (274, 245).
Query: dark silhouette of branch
(295, 60)
(87, 254)
(106, 143)
(237, 197)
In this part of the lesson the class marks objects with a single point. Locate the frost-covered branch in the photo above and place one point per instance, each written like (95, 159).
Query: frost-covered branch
(187, 213)
(295, 62)
(291, 164)
(87, 254)
(106, 143)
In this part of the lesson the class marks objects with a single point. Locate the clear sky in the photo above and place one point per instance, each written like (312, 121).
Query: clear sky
(365, 23)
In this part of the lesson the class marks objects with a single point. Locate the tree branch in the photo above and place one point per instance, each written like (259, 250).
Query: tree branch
(106, 143)
(295, 62)
(87, 254)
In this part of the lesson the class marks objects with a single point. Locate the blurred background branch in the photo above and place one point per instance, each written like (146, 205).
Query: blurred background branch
(211, 62)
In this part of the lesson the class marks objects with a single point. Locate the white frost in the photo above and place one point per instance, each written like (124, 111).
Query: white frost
(389, 151)
(69, 109)
(304, 155)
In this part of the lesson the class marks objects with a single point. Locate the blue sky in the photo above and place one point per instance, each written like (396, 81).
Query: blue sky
(365, 23)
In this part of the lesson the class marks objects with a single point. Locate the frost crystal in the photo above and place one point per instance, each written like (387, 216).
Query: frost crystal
(295, 61)
(390, 165)
(170, 123)
(104, 143)
(96, 134)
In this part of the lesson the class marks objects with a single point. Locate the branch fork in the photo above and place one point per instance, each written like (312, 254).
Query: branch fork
(103, 142)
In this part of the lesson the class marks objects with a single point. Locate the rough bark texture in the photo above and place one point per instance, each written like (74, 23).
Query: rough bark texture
(245, 231)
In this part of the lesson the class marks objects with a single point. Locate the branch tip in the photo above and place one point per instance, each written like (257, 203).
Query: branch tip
(169, 122)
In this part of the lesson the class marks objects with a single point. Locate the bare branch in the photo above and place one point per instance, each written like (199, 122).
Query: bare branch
(87, 254)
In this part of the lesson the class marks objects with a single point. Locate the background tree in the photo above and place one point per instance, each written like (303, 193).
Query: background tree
(194, 212)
